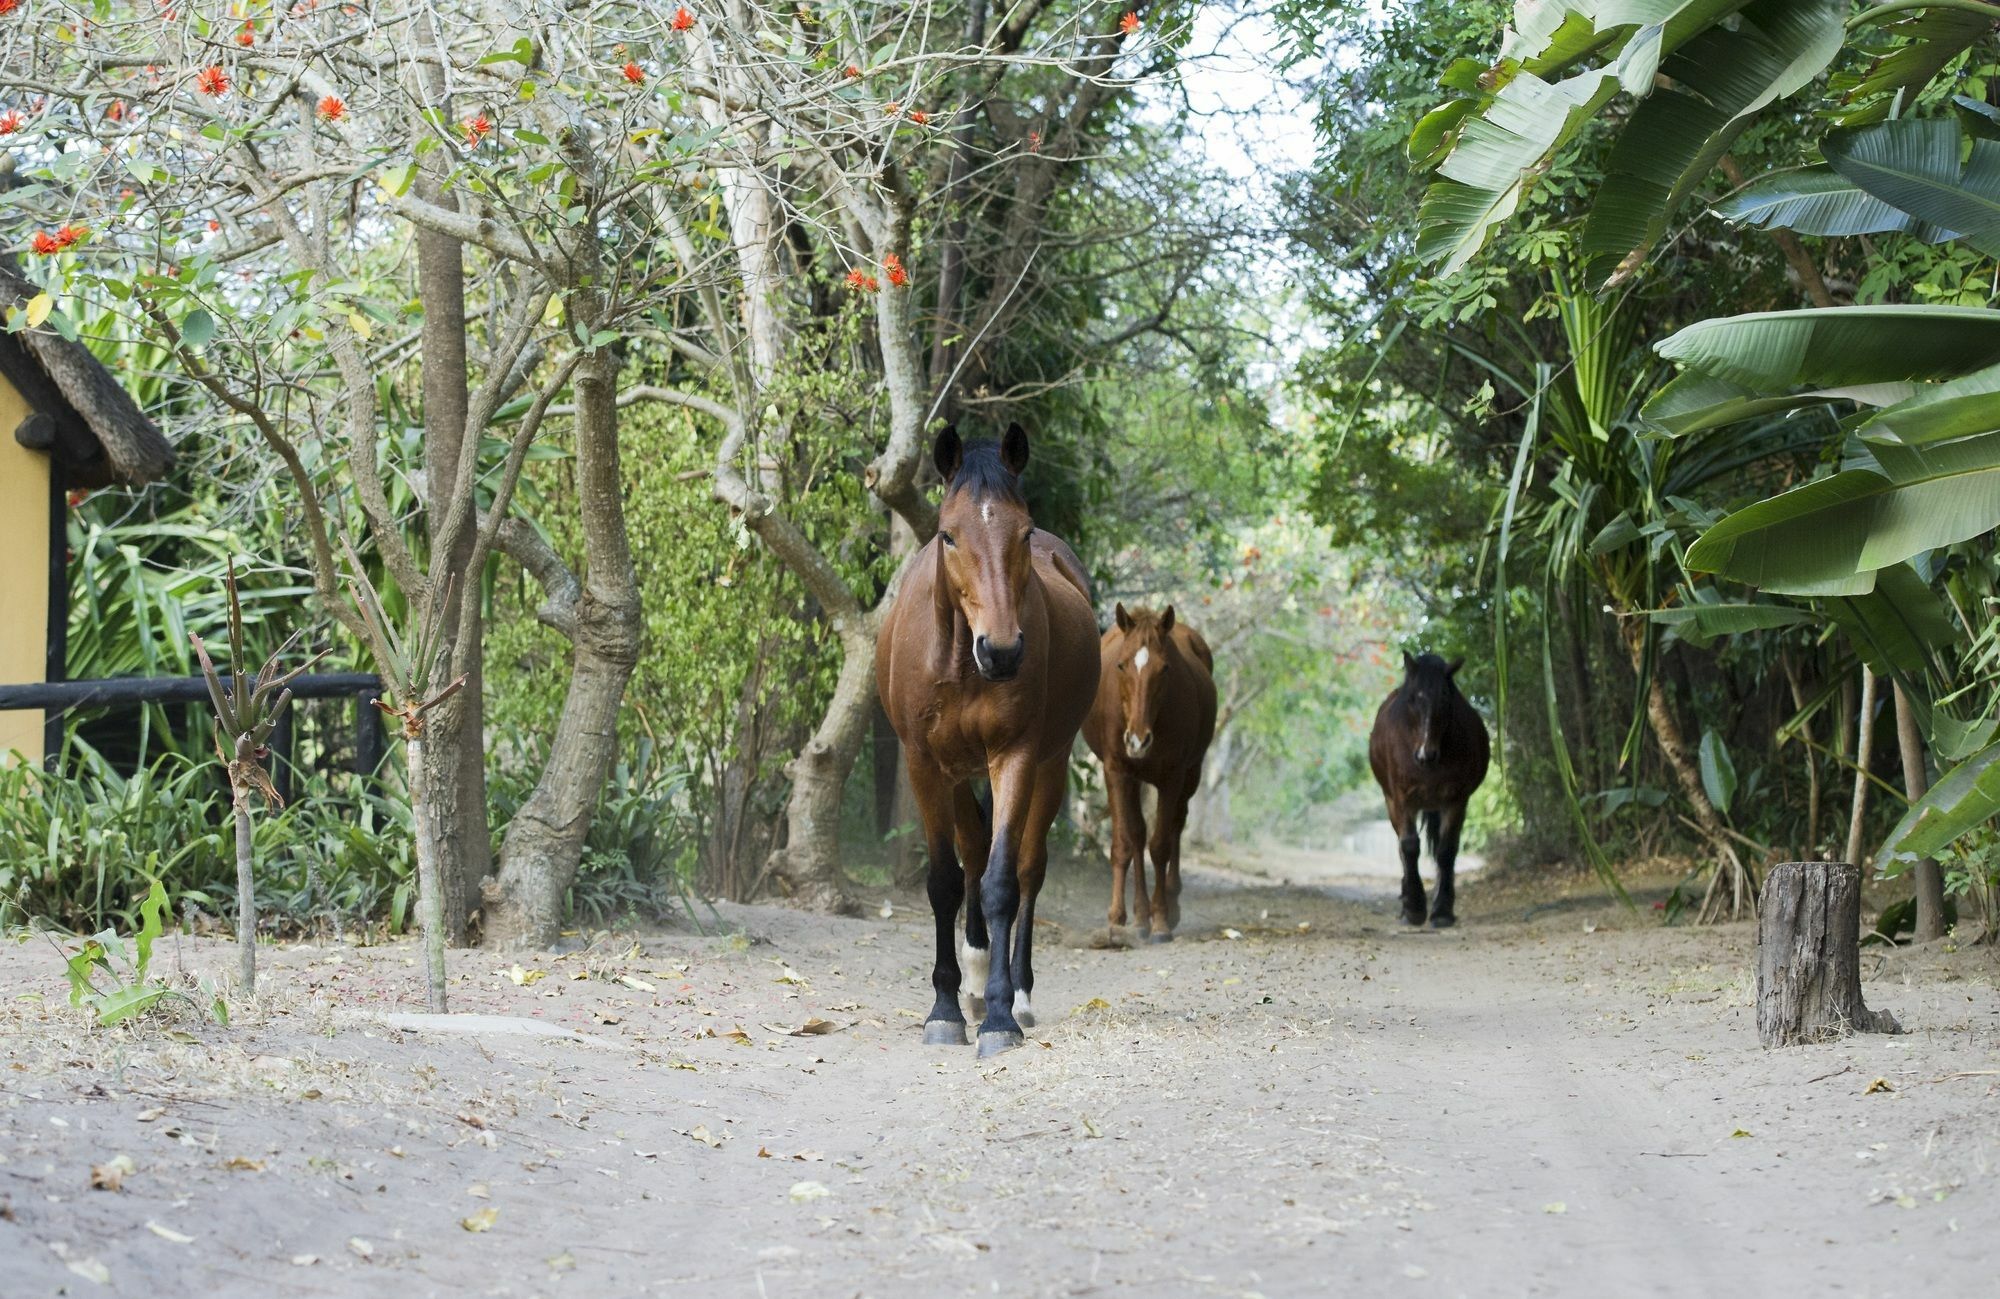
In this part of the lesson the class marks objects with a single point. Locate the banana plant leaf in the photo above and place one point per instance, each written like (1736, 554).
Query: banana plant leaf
(1913, 164)
(1821, 201)
(1718, 81)
(1960, 408)
(1828, 537)
(1770, 352)
(1966, 798)
(1898, 627)
(1929, 41)
(1699, 624)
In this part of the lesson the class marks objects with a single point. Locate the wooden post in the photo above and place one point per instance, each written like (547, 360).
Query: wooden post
(370, 745)
(1809, 957)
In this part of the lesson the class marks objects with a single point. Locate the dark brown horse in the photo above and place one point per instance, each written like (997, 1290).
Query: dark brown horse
(985, 665)
(1152, 722)
(1429, 752)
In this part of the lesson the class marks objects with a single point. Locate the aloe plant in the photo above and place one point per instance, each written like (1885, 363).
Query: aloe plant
(247, 710)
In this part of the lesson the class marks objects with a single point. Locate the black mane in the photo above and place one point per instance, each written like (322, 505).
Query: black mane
(983, 473)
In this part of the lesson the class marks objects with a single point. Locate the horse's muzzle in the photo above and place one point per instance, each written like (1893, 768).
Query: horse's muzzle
(1427, 756)
(999, 662)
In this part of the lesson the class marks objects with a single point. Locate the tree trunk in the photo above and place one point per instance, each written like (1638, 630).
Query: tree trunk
(246, 893)
(807, 869)
(543, 844)
(430, 885)
(1809, 957)
(454, 735)
(1864, 746)
(1729, 868)
(1927, 876)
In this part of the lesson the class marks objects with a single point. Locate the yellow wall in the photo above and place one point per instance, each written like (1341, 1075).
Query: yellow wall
(24, 574)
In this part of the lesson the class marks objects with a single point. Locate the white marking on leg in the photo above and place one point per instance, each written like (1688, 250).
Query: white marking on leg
(977, 963)
(1022, 1010)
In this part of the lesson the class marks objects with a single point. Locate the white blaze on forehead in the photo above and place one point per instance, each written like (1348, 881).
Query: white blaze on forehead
(986, 511)
(1142, 658)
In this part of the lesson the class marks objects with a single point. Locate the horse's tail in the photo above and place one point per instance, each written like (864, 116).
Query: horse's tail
(1431, 822)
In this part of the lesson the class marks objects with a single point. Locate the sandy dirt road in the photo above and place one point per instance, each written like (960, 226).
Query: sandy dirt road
(1571, 1104)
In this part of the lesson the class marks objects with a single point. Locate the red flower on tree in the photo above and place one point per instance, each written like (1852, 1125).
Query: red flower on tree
(892, 266)
(853, 69)
(70, 234)
(477, 129)
(920, 117)
(1034, 142)
(10, 122)
(634, 74)
(8, 7)
(892, 108)
(247, 37)
(862, 281)
(212, 81)
(332, 109)
(45, 243)
(683, 19)
(1129, 23)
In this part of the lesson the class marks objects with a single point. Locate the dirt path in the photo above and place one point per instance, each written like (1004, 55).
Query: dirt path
(1573, 1104)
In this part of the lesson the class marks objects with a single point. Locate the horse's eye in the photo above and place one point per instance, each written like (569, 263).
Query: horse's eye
(948, 539)
(1028, 536)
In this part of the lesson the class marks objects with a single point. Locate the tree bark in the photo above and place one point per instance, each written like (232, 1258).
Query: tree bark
(543, 845)
(1742, 888)
(1927, 876)
(246, 893)
(1864, 746)
(1809, 957)
(430, 885)
(454, 733)
(807, 869)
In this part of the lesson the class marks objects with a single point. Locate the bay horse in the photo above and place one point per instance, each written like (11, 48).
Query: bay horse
(1152, 721)
(985, 665)
(1429, 752)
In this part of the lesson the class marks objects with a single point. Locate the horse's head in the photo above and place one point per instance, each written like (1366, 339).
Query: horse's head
(1141, 667)
(983, 554)
(1428, 691)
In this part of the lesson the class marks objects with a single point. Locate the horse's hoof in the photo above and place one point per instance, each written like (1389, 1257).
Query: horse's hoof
(944, 1032)
(1414, 919)
(1160, 936)
(1443, 921)
(995, 1042)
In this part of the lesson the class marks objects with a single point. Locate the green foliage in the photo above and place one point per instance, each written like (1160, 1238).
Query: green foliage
(116, 986)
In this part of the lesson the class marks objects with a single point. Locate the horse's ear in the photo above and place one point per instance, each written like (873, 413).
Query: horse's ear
(1014, 449)
(1167, 619)
(1124, 619)
(948, 453)
(1409, 664)
(1451, 668)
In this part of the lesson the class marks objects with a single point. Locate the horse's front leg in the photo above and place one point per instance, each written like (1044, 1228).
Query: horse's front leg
(1128, 828)
(974, 840)
(1450, 823)
(1000, 897)
(945, 882)
(1163, 848)
(1051, 783)
(1404, 819)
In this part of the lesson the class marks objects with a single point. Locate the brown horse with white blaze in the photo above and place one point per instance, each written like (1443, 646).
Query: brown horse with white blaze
(1153, 720)
(1429, 752)
(985, 665)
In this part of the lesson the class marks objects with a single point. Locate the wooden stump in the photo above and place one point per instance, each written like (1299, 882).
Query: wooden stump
(1809, 956)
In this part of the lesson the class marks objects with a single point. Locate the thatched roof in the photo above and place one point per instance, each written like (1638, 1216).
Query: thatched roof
(100, 435)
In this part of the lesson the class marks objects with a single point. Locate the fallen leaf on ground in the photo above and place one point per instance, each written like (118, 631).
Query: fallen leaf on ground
(147, 1116)
(1879, 1085)
(604, 1017)
(1090, 1129)
(763, 1153)
(241, 1164)
(360, 1247)
(792, 977)
(1557, 1207)
(814, 1027)
(562, 1262)
(304, 1260)
(168, 1233)
(471, 1120)
(634, 981)
(1232, 933)
(682, 1064)
(523, 978)
(480, 1219)
(111, 1174)
(91, 1270)
(1740, 1132)
(479, 1191)
(702, 1134)
(810, 1157)
(1095, 1003)
(801, 1192)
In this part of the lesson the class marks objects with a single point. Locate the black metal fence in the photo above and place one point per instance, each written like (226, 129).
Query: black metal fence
(58, 697)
